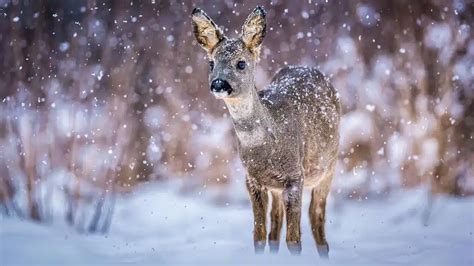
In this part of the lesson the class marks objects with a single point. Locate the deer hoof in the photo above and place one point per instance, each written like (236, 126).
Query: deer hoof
(294, 247)
(323, 250)
(274, 246)
(259, 246)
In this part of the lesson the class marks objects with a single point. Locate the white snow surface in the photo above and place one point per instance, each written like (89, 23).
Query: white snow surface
(159, 225)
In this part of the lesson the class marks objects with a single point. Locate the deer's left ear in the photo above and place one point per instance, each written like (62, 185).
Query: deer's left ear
(254, 29)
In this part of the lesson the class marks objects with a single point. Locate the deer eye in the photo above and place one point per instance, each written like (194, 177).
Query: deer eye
(241, 65)
(211, 65)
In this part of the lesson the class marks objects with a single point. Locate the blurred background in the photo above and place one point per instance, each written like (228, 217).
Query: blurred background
(98, 97)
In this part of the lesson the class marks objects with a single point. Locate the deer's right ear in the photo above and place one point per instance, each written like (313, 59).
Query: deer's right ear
(207, 34)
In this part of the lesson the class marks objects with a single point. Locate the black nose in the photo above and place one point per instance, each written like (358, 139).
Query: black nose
(219, 85)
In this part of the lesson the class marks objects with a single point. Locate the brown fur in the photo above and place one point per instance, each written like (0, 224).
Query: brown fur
(254, 30)
(206, 31)
(287, 136)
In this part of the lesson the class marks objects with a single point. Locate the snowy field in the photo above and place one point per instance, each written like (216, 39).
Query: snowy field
(158, 225)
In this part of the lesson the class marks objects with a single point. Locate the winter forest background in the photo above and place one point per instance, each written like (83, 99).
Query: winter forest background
(102, 102)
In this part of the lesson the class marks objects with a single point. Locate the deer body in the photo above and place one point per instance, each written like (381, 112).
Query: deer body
(291, 130)
(287, 133)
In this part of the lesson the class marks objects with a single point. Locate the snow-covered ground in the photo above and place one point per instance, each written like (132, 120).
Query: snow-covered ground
(159, 225)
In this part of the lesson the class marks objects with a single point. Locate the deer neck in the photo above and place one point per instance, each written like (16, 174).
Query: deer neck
(252, 121)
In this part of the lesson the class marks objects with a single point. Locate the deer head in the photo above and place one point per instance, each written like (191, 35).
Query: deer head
(231, 61)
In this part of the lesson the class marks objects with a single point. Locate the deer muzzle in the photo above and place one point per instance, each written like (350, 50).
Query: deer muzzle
(221, 87)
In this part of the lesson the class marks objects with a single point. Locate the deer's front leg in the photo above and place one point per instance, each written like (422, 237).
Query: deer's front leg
(292, 194)
(276, 215)
(259, 199)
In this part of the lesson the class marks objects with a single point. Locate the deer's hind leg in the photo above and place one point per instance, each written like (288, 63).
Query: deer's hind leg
(317, 215)
(276, 215)
(292, 200)
(259, 199)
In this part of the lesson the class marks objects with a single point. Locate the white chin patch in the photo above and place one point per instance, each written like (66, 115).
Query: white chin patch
(221, 95)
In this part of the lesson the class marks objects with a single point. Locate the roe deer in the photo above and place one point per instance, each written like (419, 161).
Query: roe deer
(287, 134)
